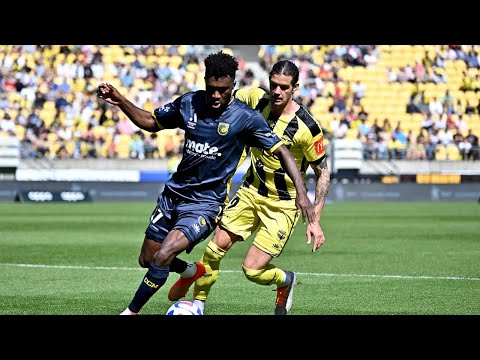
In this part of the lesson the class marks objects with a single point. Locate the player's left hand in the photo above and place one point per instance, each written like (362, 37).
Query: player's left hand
(316, 231)
(304, 205)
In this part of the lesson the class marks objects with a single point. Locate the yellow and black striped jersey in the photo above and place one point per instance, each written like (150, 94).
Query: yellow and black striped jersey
(300, 132)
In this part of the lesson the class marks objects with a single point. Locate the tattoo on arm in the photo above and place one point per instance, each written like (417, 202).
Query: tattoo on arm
(323, 182)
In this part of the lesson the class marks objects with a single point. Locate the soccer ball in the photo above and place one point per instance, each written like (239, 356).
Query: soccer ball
(184, 308)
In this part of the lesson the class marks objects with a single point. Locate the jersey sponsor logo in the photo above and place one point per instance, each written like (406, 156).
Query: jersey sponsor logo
(222, 128)
(202, 149)
(149, 283)
(319, 146)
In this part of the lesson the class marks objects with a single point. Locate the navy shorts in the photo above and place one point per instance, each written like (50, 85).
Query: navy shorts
(196, 220)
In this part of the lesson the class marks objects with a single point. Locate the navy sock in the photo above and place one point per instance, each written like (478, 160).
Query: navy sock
(154, 279)
(178, 265)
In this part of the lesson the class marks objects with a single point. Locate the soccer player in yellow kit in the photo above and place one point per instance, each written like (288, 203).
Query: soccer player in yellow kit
(266, 199)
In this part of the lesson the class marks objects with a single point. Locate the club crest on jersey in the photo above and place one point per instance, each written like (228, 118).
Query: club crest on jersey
(281, 235)
(222, 128)
(201, 221)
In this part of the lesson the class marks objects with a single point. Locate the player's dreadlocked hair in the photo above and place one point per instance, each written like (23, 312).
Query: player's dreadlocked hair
(287, 68)
(220, 65)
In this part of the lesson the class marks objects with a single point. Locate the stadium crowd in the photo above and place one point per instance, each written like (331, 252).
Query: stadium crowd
(399, 101)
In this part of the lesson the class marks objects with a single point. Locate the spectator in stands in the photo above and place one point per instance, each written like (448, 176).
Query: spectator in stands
(412, 107)
(125, 126)
(396, 150)
(382, 146)
(137, 149)
(462, 125)
(7, 124)
(469, 108)
(467, 82)
(435, 106)
(465, 148)
(371, 58)
(370, 148)
(427, 121)
(416, 148)
(433, 142)
(448, 102)
(358, 89)
(364, 128)
(150, 145)
(439, 121)
(419, 72)
(387, 126)
(474, 152)
(450, 122)
(421, 101)
(339, 104)
(376, 129)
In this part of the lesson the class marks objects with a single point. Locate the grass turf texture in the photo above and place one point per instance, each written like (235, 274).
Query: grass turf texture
(397, 258)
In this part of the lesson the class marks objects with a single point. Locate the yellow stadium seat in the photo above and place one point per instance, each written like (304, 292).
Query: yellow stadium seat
(441, 152)
(453, 153)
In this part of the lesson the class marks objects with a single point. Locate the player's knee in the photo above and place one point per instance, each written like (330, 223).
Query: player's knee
(254, 275)
(223, 239)
(161, 258)
(143, 261)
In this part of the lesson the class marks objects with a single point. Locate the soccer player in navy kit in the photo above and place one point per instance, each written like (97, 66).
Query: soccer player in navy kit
(263, 208)
(218, 129)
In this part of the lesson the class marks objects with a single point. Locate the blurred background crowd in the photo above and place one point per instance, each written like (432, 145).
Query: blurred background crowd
(398, 101)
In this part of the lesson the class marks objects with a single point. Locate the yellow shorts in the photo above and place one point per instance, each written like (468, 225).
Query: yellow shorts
(275, 220)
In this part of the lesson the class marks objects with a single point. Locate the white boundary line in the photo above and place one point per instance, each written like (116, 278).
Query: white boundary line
(420, 277)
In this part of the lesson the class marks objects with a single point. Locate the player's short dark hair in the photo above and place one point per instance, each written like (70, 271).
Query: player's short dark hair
(220, 65)
(286, 67)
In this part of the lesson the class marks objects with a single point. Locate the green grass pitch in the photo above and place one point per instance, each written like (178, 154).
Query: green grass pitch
(397, 258)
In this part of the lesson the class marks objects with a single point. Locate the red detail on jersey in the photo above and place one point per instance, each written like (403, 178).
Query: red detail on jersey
(319, 146)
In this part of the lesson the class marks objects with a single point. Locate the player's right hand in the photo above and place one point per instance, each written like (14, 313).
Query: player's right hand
(109, 93)
(316, 231)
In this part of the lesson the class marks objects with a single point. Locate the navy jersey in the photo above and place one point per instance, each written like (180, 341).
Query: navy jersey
(213, 147)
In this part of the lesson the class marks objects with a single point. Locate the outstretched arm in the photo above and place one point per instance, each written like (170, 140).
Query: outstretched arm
(289, 164)
(323, 183)
(142, 118)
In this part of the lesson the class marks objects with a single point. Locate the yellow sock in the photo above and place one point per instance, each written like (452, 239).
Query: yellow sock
(268, 276)
(211, 259)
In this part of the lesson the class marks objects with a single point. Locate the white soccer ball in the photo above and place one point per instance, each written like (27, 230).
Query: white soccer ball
(184, 308)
